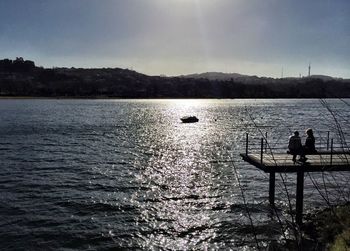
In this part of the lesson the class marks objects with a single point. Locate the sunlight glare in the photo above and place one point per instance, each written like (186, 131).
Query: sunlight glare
(187, 102)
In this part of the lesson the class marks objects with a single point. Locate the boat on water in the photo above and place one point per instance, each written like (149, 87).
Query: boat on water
(189, 119)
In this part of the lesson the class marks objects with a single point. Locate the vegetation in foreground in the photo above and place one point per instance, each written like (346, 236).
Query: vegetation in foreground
(325, 230)
(330, 229)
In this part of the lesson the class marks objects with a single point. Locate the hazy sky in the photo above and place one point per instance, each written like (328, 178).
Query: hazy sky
(256, 37)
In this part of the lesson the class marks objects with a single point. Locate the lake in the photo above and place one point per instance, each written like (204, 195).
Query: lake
(127, 174)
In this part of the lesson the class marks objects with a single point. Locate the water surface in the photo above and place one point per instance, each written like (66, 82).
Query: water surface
(104, 174)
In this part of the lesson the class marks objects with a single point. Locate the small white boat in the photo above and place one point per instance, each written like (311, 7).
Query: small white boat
(189, 119)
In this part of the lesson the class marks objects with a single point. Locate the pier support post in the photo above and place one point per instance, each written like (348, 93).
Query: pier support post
(246, 144)
(331, 160)
(265, 142)
(272, 189)
(300, 197)
(327, 140)
(262, 150)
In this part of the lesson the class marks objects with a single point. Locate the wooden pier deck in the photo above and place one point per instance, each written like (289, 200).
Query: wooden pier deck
(273, 163)
(282, 162)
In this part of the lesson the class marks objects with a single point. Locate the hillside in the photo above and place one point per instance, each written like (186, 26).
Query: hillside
(216, 76)
(22, 78)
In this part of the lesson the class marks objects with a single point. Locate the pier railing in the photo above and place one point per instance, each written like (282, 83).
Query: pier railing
(265, 145)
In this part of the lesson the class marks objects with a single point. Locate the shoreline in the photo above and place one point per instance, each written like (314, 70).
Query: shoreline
(155, 98)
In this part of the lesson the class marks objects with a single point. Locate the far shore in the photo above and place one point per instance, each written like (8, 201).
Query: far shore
(147, 98)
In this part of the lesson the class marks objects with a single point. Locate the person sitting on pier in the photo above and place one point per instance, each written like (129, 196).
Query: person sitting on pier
(295, 147)
(309, 147)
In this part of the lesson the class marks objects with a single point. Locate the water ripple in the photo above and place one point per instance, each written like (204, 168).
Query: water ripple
(127, 174)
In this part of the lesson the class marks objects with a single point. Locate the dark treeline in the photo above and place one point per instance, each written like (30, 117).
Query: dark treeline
(17, 65)
(22, 78)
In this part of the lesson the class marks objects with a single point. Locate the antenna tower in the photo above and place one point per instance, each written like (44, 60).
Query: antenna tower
(309, 69)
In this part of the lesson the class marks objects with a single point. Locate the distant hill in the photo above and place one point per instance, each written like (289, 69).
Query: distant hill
(323, 77)
(237, 76)
(216, 76)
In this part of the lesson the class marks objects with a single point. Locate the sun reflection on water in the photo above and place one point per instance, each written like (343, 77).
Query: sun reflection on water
(178, 177)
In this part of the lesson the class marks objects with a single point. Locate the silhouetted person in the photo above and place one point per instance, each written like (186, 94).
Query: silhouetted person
(295, 147)
(310, 142)
(309, 147)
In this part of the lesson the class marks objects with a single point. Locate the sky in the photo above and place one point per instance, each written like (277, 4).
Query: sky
(175, 37)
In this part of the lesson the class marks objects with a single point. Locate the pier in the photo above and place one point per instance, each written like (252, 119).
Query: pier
(272, 163)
